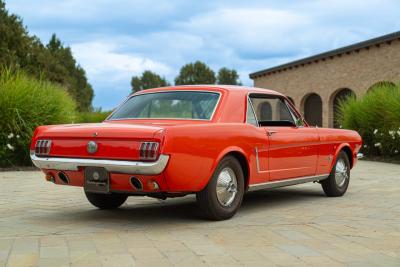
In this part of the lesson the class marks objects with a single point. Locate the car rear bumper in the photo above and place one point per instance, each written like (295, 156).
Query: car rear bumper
(118, 166)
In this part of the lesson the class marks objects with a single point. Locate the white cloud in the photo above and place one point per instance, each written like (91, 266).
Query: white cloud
(114, 40)
(103, 64)
(250, 28)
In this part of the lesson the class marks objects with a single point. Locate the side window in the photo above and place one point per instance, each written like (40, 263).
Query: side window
(272, 110)
(250, 117)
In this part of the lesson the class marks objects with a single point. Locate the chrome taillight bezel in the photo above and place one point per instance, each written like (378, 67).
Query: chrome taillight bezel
(42, 147)
(148, 151)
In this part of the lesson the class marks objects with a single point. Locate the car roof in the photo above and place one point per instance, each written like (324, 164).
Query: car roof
(209, 87)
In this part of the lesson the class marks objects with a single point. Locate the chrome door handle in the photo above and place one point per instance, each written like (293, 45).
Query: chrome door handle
(269, 133)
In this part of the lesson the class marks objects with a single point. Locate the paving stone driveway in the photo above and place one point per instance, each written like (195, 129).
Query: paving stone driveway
(48, 225)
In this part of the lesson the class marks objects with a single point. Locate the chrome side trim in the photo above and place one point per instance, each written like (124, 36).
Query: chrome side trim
(258, 161)
(121, 166)
(360, 155)
(287, 182)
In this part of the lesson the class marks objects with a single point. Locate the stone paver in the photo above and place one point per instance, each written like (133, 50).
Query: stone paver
(42, 224)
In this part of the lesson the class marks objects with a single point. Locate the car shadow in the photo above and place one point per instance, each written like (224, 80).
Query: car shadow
(179, 210)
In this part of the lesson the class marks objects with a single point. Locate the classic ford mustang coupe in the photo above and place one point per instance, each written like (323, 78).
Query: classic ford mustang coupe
(217, 142)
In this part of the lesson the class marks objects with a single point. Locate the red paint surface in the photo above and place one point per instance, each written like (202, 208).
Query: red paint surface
(195, 147)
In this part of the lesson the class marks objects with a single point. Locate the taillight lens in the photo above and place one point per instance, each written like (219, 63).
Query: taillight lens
(42, 147)
(149, 150)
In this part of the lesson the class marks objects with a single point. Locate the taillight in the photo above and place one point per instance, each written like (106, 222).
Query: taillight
(149, 150)
(42, 147)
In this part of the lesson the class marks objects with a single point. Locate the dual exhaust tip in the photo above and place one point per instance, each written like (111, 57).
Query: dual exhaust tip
(63, 177)
(135, 182)
(138, 185)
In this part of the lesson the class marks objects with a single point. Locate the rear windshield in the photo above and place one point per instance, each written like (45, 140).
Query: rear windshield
(169, 105)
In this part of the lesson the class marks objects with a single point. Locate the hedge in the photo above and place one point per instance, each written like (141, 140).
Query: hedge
(26, 103)
(376, 116)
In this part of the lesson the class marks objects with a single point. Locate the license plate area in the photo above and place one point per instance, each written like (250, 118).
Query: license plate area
(97, 180)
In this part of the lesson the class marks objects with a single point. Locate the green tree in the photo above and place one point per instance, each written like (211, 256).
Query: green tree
(227, 76)
(195, 73)
(63, 69)
(54, 62)
(148, 80)
(14, 39)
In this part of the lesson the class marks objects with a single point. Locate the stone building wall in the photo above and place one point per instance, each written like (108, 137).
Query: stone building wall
(356, 70)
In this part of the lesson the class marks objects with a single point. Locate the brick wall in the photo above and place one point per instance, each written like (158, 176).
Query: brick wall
(357, 70)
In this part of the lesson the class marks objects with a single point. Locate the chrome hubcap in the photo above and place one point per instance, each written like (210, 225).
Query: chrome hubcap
(341, 174)
(226, 187)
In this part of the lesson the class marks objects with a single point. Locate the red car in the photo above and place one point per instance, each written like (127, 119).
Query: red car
(217, 142)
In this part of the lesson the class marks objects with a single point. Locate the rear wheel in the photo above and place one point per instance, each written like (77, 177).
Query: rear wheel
(106, 201)
(338, 181)
(223, 194)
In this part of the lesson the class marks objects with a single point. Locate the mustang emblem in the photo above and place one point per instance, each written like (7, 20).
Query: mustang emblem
(91, 147)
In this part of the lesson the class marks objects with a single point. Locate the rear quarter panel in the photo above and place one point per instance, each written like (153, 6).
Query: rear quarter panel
(196, 150)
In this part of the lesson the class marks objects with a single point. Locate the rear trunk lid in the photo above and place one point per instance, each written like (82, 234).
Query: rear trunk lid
(114, 141)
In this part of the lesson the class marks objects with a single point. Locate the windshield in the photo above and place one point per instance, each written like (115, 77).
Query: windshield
(169, 105)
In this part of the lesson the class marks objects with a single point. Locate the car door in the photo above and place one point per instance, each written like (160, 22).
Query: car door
(292, 148)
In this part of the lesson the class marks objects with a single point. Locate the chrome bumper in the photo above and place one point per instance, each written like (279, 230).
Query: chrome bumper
(360, 155)
(121, 166)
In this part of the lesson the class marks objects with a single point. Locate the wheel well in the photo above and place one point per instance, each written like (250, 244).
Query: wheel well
(349, 155)
(244, 164)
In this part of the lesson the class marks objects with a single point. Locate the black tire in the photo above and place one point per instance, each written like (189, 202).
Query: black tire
(207, 198)
(330, 185)
(106, 201)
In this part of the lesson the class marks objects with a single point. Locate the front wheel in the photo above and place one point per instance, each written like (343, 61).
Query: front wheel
(338, 181)
(106, 201)
(223, 195)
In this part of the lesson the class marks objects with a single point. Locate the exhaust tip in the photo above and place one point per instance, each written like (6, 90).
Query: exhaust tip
(136, 183)
(63, 177)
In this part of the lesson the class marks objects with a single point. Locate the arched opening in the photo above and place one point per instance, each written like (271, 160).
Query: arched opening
(381, 84)
(339, 97)
(312, 107)
(291, 100)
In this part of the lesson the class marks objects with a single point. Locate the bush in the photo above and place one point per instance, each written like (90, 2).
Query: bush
(95, 116)
(376, 117)
(26, 103)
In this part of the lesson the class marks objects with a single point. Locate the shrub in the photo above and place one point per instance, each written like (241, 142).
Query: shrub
(26, 103)
(95, 116)
(376, 116)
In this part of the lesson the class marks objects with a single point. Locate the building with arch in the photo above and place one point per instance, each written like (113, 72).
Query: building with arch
(317, 84)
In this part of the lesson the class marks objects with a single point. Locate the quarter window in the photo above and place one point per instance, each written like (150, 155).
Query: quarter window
(250, 117)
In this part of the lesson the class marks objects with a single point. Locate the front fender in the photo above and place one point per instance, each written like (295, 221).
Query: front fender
(337, 151)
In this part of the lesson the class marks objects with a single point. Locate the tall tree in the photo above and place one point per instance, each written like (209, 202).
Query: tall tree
(14, 39)
(62, 68)
(148, 80)
(54, 61)
(195, 73)
(228, 76)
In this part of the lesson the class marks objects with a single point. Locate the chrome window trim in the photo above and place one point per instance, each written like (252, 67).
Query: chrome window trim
(167, 91)
(294, 116)
(120, 166)
(287, 182)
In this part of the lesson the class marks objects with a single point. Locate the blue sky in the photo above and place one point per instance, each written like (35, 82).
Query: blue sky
(114, 40)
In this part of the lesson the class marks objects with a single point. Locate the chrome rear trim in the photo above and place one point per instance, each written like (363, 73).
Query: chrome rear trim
(287, 182)
(120, 166)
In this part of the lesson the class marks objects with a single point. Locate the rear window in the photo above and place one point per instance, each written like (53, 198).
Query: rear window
(169, 105)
